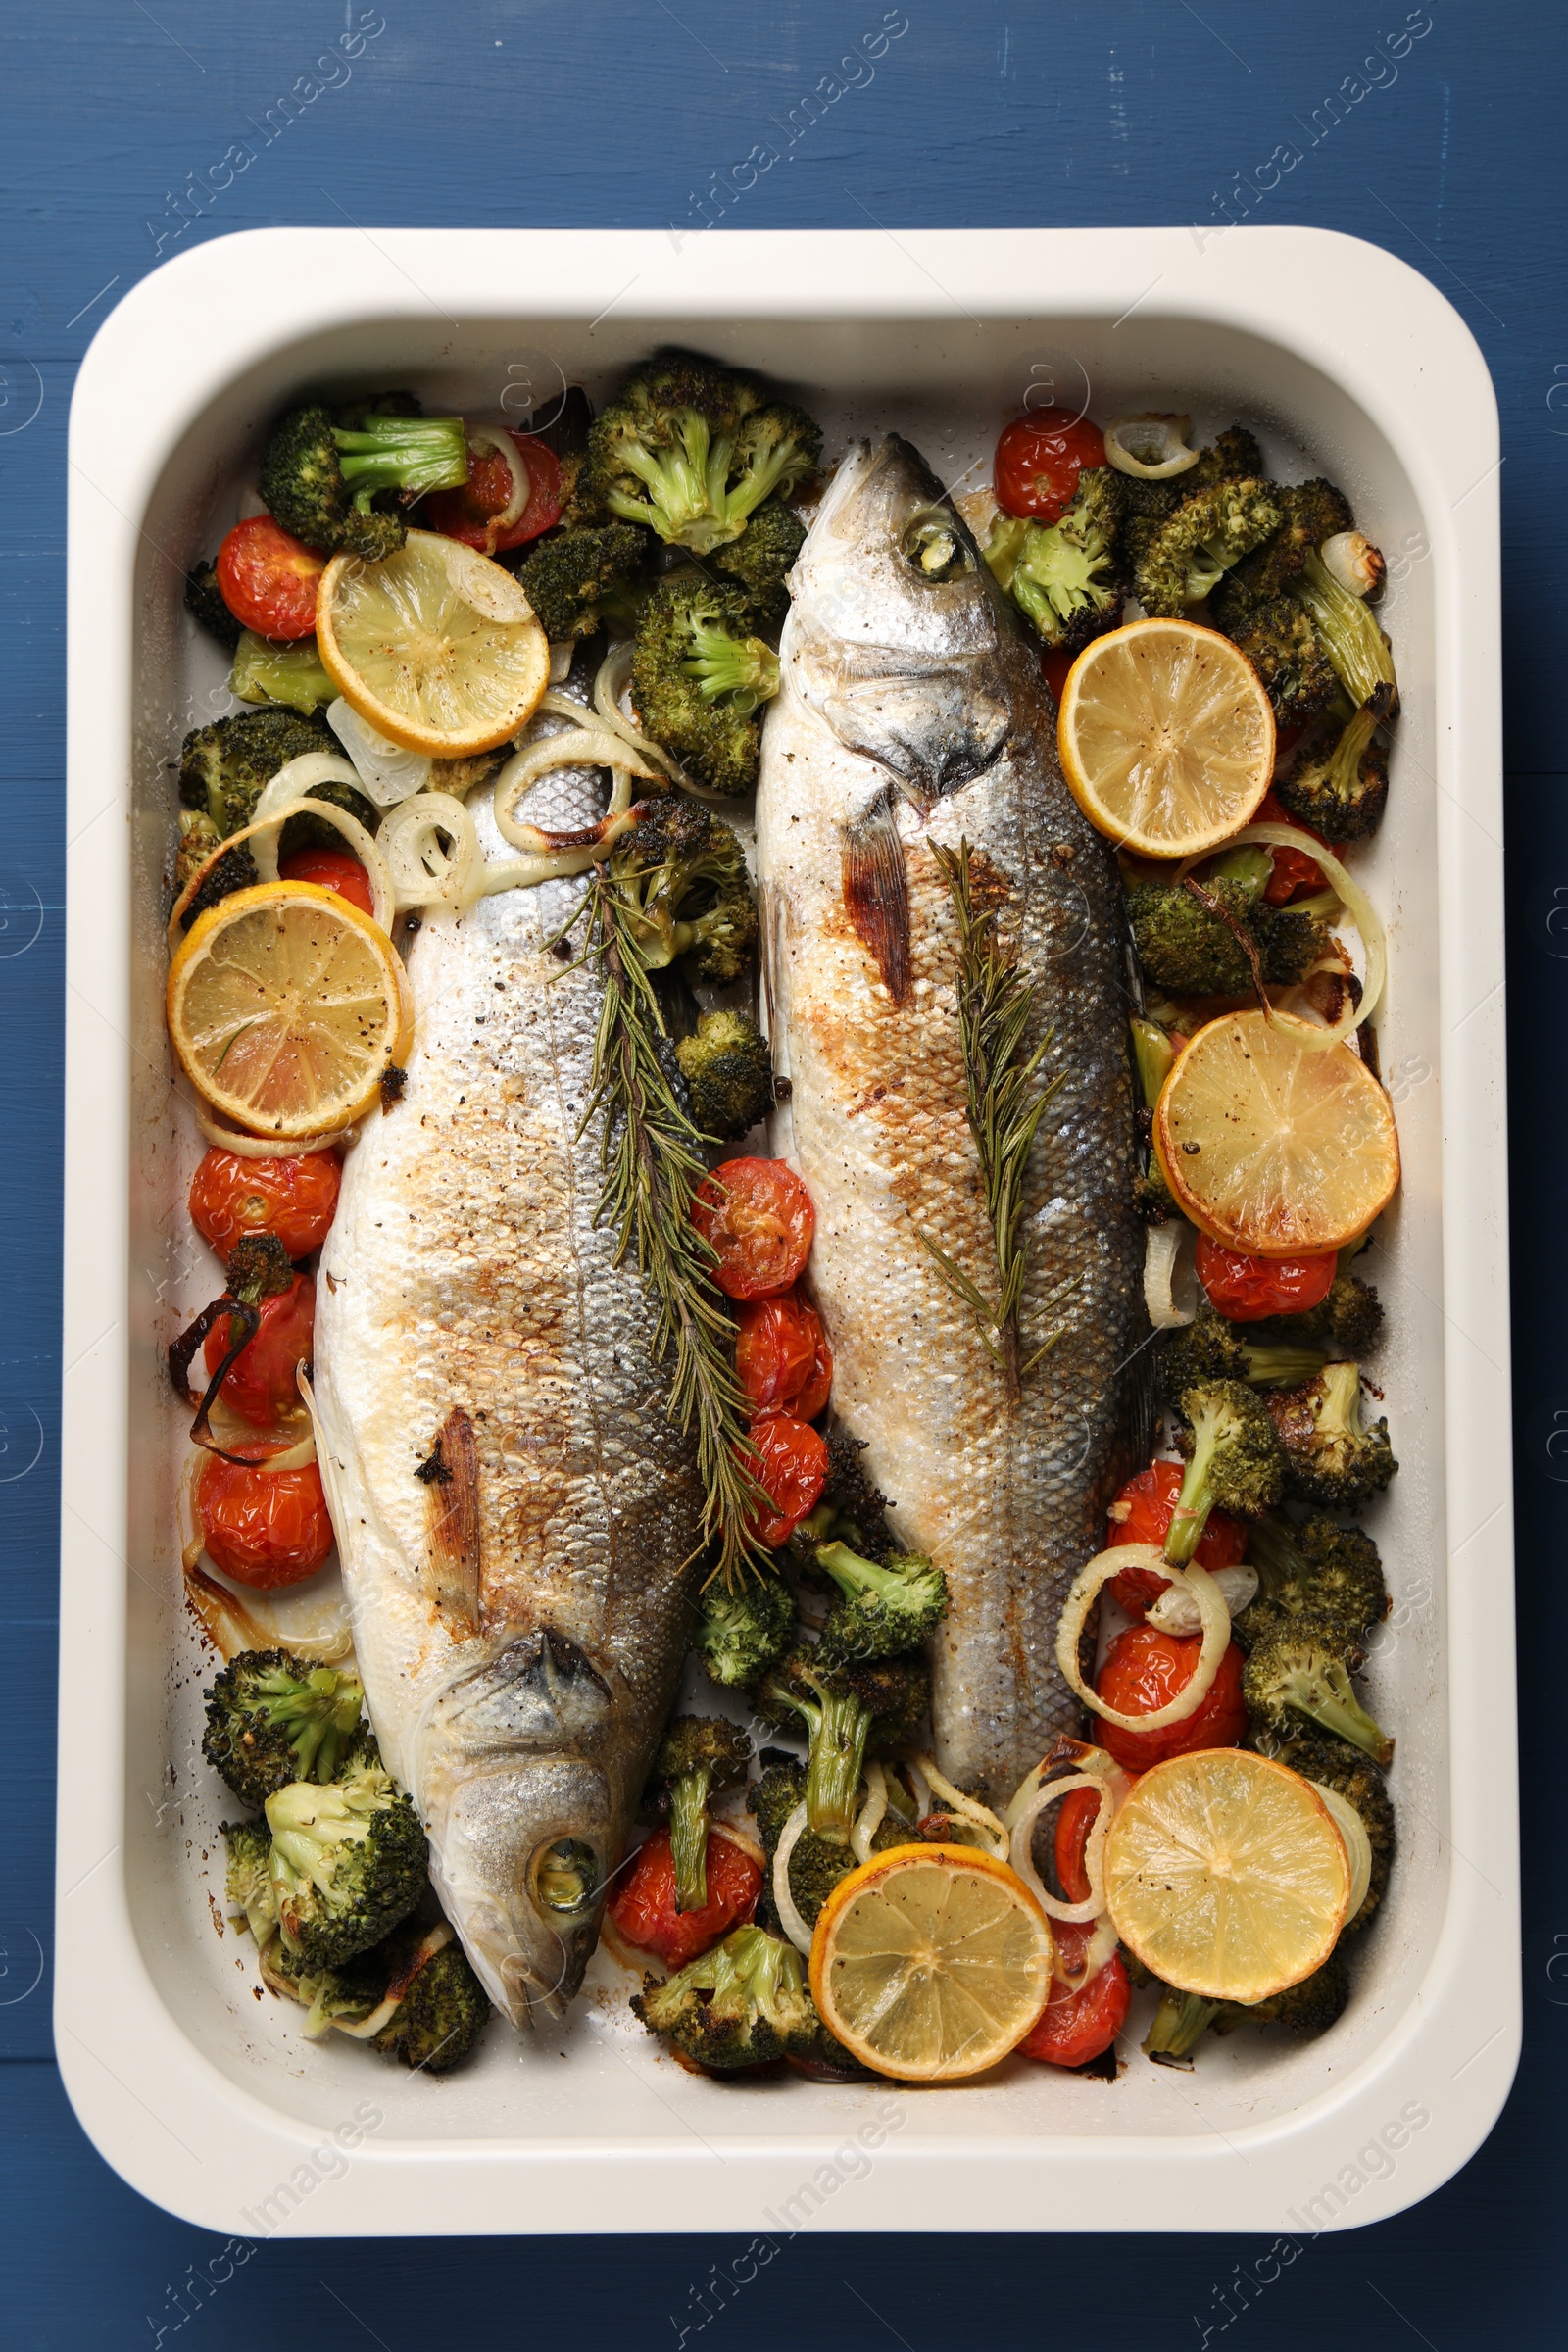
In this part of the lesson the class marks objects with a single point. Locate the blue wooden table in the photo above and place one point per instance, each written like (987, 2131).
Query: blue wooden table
(1435, 132)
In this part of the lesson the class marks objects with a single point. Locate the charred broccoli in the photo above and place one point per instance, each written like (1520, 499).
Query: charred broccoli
(199, 837)
(1339, 787)
(273, 1719)
(223, 767)
(742, 2004)
(728, 1069)
(1184, 946)
(1188, 555)
(349, 1862)
(1283, 647)
(697, 1754)
(1234, 1460)
(414, 1998)
(1299, 1675)
(698, 678)
(1211, 1349)
(1348, 1322)
(817, 1864)
(578, 581)
(1331, 1457)
(204, 602)
(693, 449)
(885, 1606)
(1335, 1764)
(740, 1635)
(1065, 576)
(849, 1711)
(322, 470)
(1348, 629)
(1310, 2007)
(680, 875)
(852, 1508)
(1312, 511)
(1319, 1569)
(1178, 2024)
(761, 557)
(248, 1883)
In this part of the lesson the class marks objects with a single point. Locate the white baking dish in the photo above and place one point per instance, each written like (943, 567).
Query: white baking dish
(208, 2102)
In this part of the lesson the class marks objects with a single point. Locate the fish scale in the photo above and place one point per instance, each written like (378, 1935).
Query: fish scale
(912, 714)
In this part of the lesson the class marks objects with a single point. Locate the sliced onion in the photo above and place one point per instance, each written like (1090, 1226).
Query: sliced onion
(1068, 1755)
(434, 1941)
(562, 650)
(1170, 1275)
(869, 1819)
(1177, 1612)
(423, 872)
(232, 1626)
(968, 1809)
(256, 1147)
(296, 777)
(1357, 1846)
(264, 830)
(611, 683)
(919, 1787)
(581, 746)
(1021, 1854)
(485, 436)
(1358, 905)
(1149, 448)
(1100, 1947)
(789, 1919)
(722, 1827)
(387, 771)
(1216, 1622)
(1351, 557)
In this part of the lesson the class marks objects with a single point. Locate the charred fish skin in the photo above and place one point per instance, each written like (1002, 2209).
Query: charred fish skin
(516, 1513)
(912, 714)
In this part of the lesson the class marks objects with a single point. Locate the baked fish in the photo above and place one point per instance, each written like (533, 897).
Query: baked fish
(514, 1507)
(912, 714)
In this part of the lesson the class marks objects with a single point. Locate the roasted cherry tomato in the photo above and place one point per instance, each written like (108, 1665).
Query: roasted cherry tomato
(470, 513)
(1075, 2027)
(789, 1461)
(1295, 872)
(1142, 1513)
(330, 869)
(261, 1382)
(782, 1358)
(1075, 1818)
(756, 1215)
(294, 1198)
(644, 1910)
(267, 579)
(1039, 459)
(1245, 1288)
(1053, 669)
(264, 1528)
(1145, 1670)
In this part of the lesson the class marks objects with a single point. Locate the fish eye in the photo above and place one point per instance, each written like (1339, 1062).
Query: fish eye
(566, 1878)
(933, 548)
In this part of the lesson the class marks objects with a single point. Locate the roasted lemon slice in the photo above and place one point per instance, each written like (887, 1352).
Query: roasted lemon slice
(1166, 737)
(931, 1962)
(286, 1007)
(1273, 1145)
(1226, 1875)
(435, 647)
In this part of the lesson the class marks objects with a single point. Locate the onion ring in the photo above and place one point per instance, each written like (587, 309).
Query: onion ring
(1021, 1854)
(1217, 1622)
(1150, 433)
(1358, 905)
(789, 1918)
(485, 436)
(868, 1820)
(359, 842)
(582, 746)
(422, 873)
(255, 1146)
(1168, 1263)
(1357, 1844)
(966, 1808)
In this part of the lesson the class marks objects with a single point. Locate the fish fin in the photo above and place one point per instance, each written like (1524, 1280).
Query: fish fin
(451, 1519)
(876, 891)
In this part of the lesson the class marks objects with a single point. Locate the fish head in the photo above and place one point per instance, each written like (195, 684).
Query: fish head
(895, 627)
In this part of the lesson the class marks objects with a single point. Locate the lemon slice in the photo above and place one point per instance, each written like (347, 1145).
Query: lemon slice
(931, 1962)
(435, 647)
(1166, 737)
(1273, 1146)
(1225, 1874)
(286, 1007)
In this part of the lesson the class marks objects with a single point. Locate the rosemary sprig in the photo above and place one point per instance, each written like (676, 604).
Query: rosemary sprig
(651, 1163)
(996, 1007)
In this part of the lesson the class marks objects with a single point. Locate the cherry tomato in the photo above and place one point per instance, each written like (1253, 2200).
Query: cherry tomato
(782, 1358)
(295, 1199)
(468, 513)
(1053, 669)
(330, 869)
(789, 1461)
(267, 579)
(758, 1215)
(1039, 459)
(264, 1528)
(1295, 872)
(644, 1910)
(1143, 1670)
(1075, 1818)
(1245, 1288)
(1142, 1513)
(261, 1382)
(1075, 2027)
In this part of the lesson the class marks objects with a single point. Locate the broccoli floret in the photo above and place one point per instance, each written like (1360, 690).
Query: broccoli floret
(1330, 1455)
(849, 1710)
(698, 678)
(1308, 2008)
(347, 1998)
(697, 1755)
(852, 1508)
(1335, 1764)
(1189, 555)
(693, 449)
(273, 1719)
(1300, 1675)
(1312, 512)
(442, 2008)
(817, 1864)
(199, 837)
(886, 1606)
(293, 675)
(1348, 629)
(1210, 1348)
(1178, 2024)
(1341, 787)
(223, 767)
(349, 1862)
(1065, 576)
(235, 870)
(321, 472)
(761, 557)
(1234, 1460)
(740, 1635)
(743, 2004)
(1186, 949)
(1283, 647)
(314, 833)
(680, 874)
(578, 581)
(1319, 1569)
(204, 600)
(248, 1882)
(728, 1069)
(1348, 1322)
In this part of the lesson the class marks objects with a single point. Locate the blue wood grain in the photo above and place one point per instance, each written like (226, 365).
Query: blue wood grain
(625, 113)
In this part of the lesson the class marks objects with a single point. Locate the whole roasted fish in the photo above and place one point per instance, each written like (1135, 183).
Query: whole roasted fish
(514, 1507)
(912, 714)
